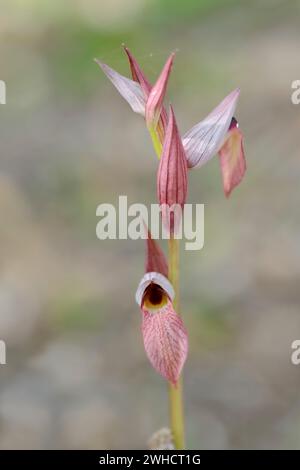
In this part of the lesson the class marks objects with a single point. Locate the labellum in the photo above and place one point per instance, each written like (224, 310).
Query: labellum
(165, 338)
(164, 335)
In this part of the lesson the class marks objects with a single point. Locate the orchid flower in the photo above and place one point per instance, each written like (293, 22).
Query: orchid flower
(213, 135)
(164, 335)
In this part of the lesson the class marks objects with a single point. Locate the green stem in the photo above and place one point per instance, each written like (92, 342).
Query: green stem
(175, 393)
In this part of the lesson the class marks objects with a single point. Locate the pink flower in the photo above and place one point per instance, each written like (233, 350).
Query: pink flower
(215, 134)
(204, 139)
(209, 137)
(164, 335)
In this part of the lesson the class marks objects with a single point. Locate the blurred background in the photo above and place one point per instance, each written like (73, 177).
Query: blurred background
(76, 374)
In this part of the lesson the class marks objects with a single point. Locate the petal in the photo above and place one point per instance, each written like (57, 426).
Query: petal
(204, 140)
(153, 278)
(232, 159)
(156, 260)
(165, 341)
(157, 94)
(130, 90)
(172, 172)
(162, 124)
(137, 74)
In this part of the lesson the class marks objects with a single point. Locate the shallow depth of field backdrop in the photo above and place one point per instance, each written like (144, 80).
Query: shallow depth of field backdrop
(77, 375)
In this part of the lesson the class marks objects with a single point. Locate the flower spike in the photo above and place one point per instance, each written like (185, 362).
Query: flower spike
(130, 90)
(172, 173)
(232, 158)
(204, 140)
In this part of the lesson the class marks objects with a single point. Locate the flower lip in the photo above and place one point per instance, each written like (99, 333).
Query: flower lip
(153, 278)
(155, 298)
(165, 339)
(155, 294)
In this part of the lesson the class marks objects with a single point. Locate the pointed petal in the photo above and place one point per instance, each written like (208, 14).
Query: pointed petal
(204, 140)
(153, 278)
(157, 94)
(130, 90)
(155, 260)
(137, 73)
(232, 159)
(165, 341)
(139, 76)
(172, 172)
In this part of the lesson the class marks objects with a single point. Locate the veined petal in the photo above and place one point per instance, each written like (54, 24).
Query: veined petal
(130, 90)
(232, 158)
(157, 94)
(162, 124)
(137, 73)
(155, 260)
(153, 278)
(204, 140)
(165, 339)
(139, 76)
(172, 173)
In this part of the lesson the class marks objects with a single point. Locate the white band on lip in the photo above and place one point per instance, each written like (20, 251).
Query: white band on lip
(155, 278)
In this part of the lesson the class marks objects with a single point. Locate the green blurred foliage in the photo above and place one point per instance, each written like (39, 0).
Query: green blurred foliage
(168, 10)
(72, 309)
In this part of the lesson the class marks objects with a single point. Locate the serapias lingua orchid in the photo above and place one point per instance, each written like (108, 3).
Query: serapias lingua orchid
(164, 335)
